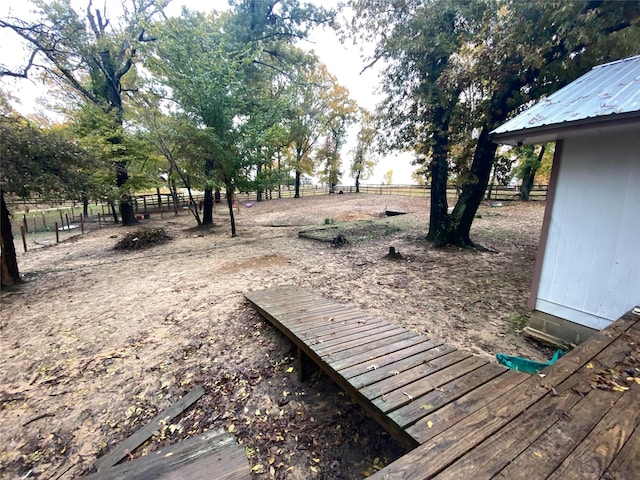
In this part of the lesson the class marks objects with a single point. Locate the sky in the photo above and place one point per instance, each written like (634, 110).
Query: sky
(342, 60)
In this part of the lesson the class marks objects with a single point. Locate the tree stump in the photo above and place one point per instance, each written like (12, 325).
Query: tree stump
(393, 254)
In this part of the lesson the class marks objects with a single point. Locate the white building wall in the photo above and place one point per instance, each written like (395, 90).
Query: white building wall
(591, 269)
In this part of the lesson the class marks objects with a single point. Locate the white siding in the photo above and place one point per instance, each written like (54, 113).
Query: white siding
(591, 268)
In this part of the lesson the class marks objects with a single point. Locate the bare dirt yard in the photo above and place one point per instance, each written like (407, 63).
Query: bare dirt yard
(96, 342)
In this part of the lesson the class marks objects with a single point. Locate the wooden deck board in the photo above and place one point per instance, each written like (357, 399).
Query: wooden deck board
(365, 355)
(413, 391)
(464, 415)
(493, 431)
(425, 405)
(409, 357)
(425, 370)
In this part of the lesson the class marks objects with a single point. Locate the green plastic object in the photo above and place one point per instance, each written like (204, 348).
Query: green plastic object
(524, 364)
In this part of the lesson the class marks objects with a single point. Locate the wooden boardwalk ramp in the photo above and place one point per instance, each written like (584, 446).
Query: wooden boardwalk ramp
(397, 375)
(464, 416)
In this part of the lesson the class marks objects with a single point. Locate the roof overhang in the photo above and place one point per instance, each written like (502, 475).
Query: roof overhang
(552, 133)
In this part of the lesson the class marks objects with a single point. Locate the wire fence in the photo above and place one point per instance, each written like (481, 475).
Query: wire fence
(37, 227)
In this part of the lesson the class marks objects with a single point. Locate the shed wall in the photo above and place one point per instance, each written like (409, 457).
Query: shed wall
(591, 267)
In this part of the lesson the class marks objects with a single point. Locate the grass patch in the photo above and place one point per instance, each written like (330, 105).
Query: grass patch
(518, 321)
(390, 230)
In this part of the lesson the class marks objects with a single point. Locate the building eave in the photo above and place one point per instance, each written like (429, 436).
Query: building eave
(554, 132)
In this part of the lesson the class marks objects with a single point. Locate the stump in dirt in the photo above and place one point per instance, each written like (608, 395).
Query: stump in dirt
(393, 254)
(339, 241)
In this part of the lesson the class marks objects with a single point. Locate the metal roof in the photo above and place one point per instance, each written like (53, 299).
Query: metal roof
(608, 92)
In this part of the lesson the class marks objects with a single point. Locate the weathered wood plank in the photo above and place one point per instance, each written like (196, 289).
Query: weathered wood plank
(393, 338)
(408, 376)
(544, 454)
(403, 359)
(352, 344)
(442, 450)
(230, 466)
(374, 353)
(342, 335)
(513, 439)
(427, 404)
(596, 452)
(626, 465)
(412, 392)
(134, 441)
(317, 333)
(449, 414)
(217, 443)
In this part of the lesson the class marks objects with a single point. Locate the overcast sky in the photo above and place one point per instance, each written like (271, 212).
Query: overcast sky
(342, 60)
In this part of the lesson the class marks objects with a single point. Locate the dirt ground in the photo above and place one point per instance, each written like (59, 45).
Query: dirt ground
(98, 341)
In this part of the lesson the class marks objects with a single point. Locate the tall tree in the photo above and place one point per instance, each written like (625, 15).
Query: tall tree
(34, 160)
(216, 66)
(363, 161)
(91, 54)
(454, 79)
(342, 113)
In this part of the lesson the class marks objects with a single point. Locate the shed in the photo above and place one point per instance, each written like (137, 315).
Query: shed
(587, 270)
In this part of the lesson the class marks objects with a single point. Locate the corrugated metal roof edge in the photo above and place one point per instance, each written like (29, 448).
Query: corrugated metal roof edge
(635, 57)
(552, 129)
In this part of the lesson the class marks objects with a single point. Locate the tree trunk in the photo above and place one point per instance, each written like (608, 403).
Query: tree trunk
(230, 190)
(85, 206)
(174, 194)
(126, 207)
(473, 192)
(207, 207)
(297, 186)
(112, 206)
(439, 218)
(8, 258)
(259, 189)
(358, 181)
(160, 198)
(529, 175)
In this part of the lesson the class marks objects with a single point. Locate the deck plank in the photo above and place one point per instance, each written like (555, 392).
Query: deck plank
(408, 393)
(626, 465)
(425, 405)
(437, 453)
(592, 457)
(462, 415)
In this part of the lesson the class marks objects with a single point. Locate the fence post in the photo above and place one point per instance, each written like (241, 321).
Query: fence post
(61, 218)
(24, 238)
(24, 222)
(44, 220)
(81, 224)
(35, 225)
(57, 233)
(67, 217)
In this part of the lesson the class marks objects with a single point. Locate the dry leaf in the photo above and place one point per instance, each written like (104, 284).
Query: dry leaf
(428, 406)
(313, 469)
(429, 424)
(290, 369)
(259, 468)
(231, 428)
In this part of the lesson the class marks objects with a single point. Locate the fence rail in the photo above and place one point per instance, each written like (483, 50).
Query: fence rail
(47, 225)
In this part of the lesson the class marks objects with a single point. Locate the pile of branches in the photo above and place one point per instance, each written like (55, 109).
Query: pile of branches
(142, 238)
